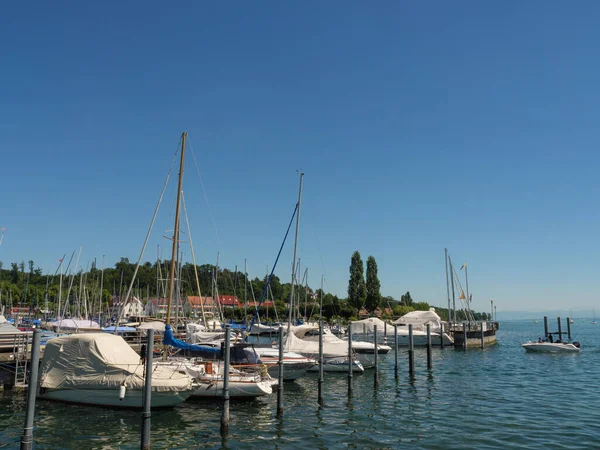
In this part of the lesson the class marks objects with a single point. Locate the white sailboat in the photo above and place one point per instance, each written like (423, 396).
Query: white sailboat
(594, 319)
(102, 369)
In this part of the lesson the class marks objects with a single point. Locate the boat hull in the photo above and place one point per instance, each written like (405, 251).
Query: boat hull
(548, 347)
(237, 389)
(110, 397)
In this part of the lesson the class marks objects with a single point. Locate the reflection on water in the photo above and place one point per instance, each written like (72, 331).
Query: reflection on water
(496, 398)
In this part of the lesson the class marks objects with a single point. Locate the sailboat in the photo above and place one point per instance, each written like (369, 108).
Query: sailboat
(594, 320)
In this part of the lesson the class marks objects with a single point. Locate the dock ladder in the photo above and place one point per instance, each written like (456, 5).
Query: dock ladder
(21, 357)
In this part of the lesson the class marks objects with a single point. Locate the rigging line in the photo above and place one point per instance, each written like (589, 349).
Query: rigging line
(274, 266)
(147, 237)
(212, 217)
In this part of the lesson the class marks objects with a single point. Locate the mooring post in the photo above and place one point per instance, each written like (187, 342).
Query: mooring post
(569, 328)
(559, 328)
(350, 359)
(396, 350)
(385, 333)
(482, 336)
(320, 393)
(364, 331)
(27, 436)
(376, 355)
(147, 401)
(411, 350)
(280, 380)
(429, 365)
(226, 356)
(545, 327)
(464, 335)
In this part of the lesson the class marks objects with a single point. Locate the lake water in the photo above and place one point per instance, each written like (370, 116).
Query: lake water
(497, 398)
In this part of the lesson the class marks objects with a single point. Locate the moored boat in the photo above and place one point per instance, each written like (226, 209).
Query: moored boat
(552, 347)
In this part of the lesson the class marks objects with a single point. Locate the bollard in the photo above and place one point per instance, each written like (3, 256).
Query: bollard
(545, 327)
(482, 336)
(350, 359)
(396, 350)
(364, 331)
(442, 336)
(569, 328)
(411, 350)
(464, 336)
(320, 390)
(559, 328)
(27, 436)
(226, 356)
(429, 365)
(376, 355)
(280, 380)
(147, 400)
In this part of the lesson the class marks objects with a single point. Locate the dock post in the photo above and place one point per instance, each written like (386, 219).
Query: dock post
(385, 333)
(364, 331)
(429, 365)
(411, 350)
(147, 401)
(464, 346)
(320, 393)
(280, 380)
(376, 355)
(545, 327)
(27, 436)
(482, 336)
(569, 328)
(442, 335)
(396, 350)
(559, 328)
(350, 359)
(226, 356)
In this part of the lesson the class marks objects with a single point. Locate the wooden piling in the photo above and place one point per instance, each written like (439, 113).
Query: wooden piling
(442, 335)
(429, 364)
(569, 328)
(320, 389)
(482, 336)
(350, 359)
(147, 401)
(411, 350)
(464, 335)
(396, 350)
(225, 415)
(376, 355)
(280, 378)
(545, 327)
(559, 328)
(27, 436)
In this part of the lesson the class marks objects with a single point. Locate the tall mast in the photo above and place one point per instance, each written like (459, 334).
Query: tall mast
(467, 282)
(447, 282)
(176, 231)
(296, 246)
(453, 297)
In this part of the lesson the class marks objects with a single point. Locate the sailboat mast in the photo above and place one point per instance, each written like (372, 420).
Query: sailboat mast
(176, 230)
(447, 282)
(295, 247)
(467, 282)
(453, 297)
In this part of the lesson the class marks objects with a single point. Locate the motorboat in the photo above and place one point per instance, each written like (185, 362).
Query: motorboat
(294, 364)
(552, 347)
(419, 321)
(102, 369)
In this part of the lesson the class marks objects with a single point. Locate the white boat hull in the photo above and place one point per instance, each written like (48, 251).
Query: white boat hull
(419, 339)
(294, 364)
(110, 397)
(237, 389)
(338, 364)
(549, 347)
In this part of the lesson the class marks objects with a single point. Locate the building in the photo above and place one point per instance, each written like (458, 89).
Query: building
(133, 307)
(193, 305)
(229, 301)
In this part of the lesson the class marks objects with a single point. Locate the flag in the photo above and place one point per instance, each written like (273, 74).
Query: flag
(463, 266)
(462, 296)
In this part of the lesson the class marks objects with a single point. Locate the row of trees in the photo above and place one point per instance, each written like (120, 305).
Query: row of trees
(360, 292)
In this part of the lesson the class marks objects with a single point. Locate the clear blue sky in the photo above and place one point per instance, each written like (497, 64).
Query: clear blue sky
(420, 125)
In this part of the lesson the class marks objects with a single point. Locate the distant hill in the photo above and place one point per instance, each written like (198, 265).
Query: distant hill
(552, 314)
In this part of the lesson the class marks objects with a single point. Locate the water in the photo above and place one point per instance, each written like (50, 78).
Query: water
(497, 398)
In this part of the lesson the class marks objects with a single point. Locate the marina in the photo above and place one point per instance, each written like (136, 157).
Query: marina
(496, 406)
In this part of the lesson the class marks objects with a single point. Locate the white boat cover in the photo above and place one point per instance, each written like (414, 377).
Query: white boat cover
(419, 319)
(156, 326)
(76, 324)
(369, 325)
(102, 361)
(331, 347)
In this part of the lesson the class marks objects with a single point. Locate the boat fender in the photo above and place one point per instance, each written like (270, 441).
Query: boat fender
(122, 391)
(208, 368)
(263, 371)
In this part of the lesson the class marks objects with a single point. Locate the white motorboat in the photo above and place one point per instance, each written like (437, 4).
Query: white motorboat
(552, 347)
(102, 369)
(294, 364)
(419, 321)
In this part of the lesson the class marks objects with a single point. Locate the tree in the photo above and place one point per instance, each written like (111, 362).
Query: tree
(373, 299)
(406, 299)
(357, 291)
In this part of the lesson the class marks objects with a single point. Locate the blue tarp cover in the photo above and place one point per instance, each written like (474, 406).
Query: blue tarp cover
(169, 339)
(111, 329)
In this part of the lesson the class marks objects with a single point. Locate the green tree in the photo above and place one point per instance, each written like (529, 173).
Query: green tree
(406, 299)
(357, 290)
(421, 306)
(373, 299)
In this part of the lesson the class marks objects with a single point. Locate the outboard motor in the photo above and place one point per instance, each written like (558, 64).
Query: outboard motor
(576, 344)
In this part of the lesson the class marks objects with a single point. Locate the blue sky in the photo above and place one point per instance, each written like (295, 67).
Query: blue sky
(419, 125)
